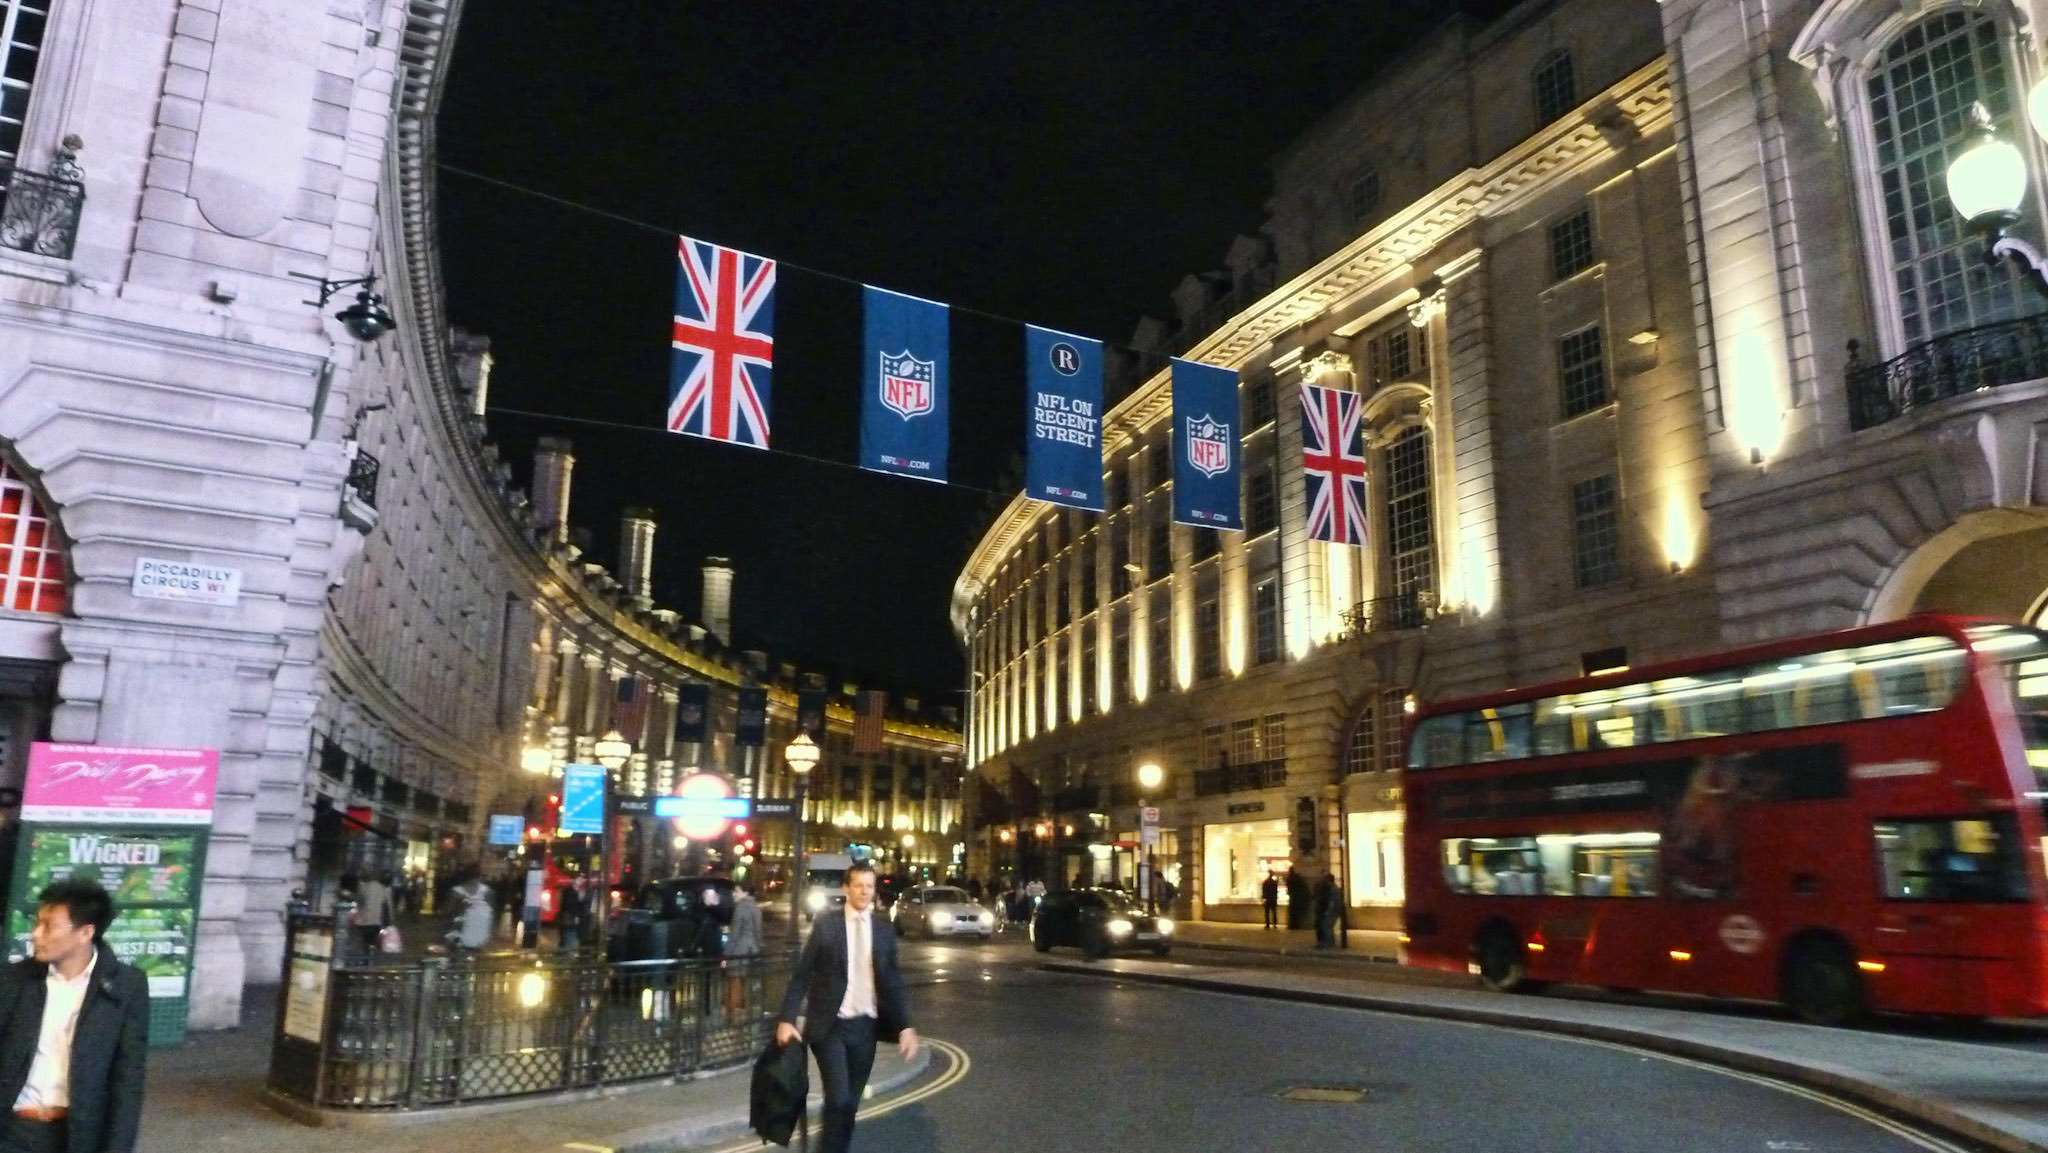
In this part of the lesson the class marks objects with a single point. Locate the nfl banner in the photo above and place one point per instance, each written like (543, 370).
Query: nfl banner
(903, 413)
(1205, 428)
(810, 713)
(723, 344)
(1063, 410)
(693, 705)
(750, 719)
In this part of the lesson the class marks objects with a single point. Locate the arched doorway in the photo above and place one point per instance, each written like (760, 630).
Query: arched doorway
(1990, 563)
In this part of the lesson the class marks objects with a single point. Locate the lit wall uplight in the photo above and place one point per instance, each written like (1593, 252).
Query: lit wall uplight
(1236, 624)
(1681, 531)
(1755, 385)
(1479, 574)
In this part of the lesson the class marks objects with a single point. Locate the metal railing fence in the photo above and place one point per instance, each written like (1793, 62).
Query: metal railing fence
(1952, 364)
(442, 1032)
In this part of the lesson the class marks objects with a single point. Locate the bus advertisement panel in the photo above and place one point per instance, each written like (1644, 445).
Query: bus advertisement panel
(1844, 822)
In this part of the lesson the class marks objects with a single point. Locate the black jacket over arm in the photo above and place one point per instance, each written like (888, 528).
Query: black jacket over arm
(108, 1052)
(819, 983)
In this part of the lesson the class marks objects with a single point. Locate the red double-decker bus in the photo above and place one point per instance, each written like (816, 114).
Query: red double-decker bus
(1842, 822)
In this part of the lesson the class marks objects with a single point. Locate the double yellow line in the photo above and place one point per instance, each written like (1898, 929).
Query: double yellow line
(958, 1064)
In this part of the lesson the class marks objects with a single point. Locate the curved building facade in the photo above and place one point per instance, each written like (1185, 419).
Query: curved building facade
(1487, 242)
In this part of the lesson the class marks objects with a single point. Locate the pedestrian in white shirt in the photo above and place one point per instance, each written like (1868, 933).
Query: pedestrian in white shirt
(74, 1032)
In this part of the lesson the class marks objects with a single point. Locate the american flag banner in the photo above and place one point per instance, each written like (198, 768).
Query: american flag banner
(1333, 463)
(629, 712)
(724, 344)
(868, 709)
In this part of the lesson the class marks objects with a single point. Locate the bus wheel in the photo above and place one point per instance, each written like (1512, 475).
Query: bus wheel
(1821, 984)
(1503, 966)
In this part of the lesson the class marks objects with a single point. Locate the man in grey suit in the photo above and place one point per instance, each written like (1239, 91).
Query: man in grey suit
(849, 990)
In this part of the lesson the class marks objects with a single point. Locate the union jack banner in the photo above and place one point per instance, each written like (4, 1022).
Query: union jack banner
(1333, 463)
(723, 345)
(629, 714)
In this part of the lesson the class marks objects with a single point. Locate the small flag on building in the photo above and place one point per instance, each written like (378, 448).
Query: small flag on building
(868, 710)
(750, 718)
(693, 706)
(1333, 463)
(629, 715)
(810, 714)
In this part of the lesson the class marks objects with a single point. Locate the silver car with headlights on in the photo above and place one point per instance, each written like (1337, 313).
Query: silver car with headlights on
(942, 911)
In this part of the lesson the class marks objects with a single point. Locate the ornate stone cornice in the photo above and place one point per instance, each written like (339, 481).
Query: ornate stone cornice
(1637, 107)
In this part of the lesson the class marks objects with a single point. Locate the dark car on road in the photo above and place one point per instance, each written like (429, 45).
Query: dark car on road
(1099, 922)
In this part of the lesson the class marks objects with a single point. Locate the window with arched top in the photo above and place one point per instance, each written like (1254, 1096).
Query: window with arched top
(33, 574)
(1897, 82)
(1411, 548)
(1920, 90)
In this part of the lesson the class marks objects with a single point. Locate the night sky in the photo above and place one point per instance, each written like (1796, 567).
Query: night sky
(1057, 163)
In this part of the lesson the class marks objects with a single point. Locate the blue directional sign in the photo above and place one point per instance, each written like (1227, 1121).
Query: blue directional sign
(582, 799)
(507, 828)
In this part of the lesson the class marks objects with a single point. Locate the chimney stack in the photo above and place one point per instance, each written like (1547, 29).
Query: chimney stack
(636, 555)
(473, 368)
(554, 458)
(718, 598)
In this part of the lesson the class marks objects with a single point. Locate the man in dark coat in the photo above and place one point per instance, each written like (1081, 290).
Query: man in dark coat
(74, 1032)
(847, 1001)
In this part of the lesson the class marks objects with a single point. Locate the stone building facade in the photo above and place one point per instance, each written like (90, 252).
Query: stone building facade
(1875, 389)
(1488, 243)
(189, 192)
(173, 173)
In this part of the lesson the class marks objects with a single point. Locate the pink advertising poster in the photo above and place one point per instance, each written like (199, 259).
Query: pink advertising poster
(107, 784)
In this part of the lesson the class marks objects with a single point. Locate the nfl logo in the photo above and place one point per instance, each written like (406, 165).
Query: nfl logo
(907, 384)
(1208, 445)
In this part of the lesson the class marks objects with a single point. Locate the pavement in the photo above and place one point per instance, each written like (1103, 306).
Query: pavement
(1984, 1084)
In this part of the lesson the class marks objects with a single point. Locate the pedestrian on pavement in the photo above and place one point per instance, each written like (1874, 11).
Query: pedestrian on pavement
(474, 916)
(742, 945)
(1299, 915)
(74, 1031)
(572, 908)
(744, 939)
(1329, 905)
(373, 910)
(1269, 895)
(1167, 894)
(849, 991)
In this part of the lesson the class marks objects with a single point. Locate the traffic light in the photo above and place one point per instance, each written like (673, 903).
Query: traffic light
(742, 839)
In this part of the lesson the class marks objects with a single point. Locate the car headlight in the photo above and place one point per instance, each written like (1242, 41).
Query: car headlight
(937, 919)
(1165, 925)
(986, 917)
(815, 902)
(1119, 927)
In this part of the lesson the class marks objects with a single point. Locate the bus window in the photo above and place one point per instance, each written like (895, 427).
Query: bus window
(1615, 864)
(1486, 866)
(1438, 741)
(1498, 734)
(1951, 859)
(2019, 656)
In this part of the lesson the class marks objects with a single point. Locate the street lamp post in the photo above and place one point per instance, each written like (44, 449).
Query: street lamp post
(1150, 777)
(802, 757)
(612, 751)
(1987, 181)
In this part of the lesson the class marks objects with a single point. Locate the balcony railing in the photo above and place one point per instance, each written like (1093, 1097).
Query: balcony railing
(1409, 610)
(1970, 360)
(1244, 778)
(362, 478)
(38, 212)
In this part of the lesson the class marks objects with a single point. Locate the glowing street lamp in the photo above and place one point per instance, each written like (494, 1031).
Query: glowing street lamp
(802, 756)
(611, 750)
(1150, 777)
(536, 760)
(1987, 181)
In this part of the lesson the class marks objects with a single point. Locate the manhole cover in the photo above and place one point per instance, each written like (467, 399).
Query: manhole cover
(1324, 1094)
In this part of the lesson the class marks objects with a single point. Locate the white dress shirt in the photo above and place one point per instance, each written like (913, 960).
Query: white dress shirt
(860, 965)
(49, 1075)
